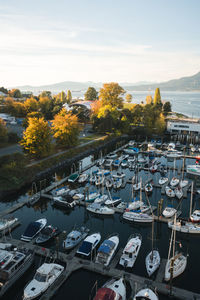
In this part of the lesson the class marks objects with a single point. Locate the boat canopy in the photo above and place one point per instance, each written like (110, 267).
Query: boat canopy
(32, 228)
(86, 247)
(106, 246)
(105, 294)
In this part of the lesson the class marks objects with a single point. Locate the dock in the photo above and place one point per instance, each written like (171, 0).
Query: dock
(74, 263)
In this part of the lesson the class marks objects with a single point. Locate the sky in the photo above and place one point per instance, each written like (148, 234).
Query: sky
(50, 41)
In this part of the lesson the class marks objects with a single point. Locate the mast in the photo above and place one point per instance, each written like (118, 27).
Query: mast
(191, 199)
(152, 234)
(183, 167)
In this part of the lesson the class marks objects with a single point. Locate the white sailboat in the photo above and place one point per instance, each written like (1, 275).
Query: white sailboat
(178, 192)
(174, 181)
(175, 265)
(112, 290)
(130, 251)
(99, 209)
(169, 192)
(169, 212)
(145, 294)
(163, 180)
(152, 260)
(183, 182)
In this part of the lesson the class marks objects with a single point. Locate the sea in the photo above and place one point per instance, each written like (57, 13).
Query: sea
(187, 103)
(80, 285)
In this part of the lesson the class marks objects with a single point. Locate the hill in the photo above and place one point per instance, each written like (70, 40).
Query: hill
(190, 83)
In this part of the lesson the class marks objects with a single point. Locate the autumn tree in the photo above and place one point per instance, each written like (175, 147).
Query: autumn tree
(15, 93)
(3, 90)
(46, 107)
(31, 105)
(111, 94)
(157, 97)
(160, 124)
(66, 128)
(149, 99)
(91, 94)
(37, 138)
(167, 108)
(69, 97)
(34, 114)
(45, 94)
(3, 130)
(128, 98)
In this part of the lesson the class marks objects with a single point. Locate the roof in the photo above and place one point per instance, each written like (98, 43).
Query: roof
(106, 246)
(86, 104)
(46, 268)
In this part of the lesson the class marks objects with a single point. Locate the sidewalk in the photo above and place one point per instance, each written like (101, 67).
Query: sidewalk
(10, 150)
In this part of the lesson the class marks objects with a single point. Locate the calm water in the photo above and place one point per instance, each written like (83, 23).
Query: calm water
(187, 103)
(65, 220)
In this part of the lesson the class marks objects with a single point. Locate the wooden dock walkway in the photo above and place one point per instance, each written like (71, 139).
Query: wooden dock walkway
(11, 209)
(74, 263)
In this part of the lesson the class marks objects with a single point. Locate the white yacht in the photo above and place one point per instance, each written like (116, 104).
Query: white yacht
(107, 250)
(99, 209)
(113, 201)
(174, 181)
(83, 178)
(91, 196)
(13, 264)
(131, 251)
(138, 217)
(101, 199)
(112, 290)
(33, 229)
(163, 180)
(45, 276)
(184, 226)
(152, 262)
(75, 237)
(169, 192)
(6, 223)
(183, 183)
(169, 212)
(178, 192)
(145, 294)
(89, 244)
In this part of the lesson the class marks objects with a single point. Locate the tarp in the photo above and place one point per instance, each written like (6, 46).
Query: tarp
(106, 246)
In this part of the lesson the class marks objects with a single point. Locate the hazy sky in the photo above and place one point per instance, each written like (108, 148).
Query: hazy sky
(48, 41)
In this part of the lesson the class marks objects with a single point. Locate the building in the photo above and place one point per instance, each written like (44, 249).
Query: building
(183, 126)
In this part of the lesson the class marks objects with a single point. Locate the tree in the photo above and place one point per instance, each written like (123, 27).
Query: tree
(160, 124)
(3, 130)
(111, 93)
(91, 94)
(45, 94)
(128, 98)
(157, 97)
(69, 97)
(37, 138)
(15, 93)
(3, 90)
(31, 105)
(167, 108)
(66, 128)
(46, 107)
(149, 99)
(34, 114)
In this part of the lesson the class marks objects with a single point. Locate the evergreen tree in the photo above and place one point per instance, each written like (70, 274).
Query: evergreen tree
(167, 108)
(91, 94)
(149, 99)
(69, 97)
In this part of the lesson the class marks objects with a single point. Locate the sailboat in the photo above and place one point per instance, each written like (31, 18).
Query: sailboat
(174, 181)
(112, 290)
(145, 294)
(152, 260)
(183, 182)
(175, 265)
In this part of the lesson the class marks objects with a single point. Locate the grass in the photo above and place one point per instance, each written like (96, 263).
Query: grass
(89, 138)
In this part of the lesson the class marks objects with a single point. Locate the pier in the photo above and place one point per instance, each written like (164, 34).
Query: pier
(74, 263)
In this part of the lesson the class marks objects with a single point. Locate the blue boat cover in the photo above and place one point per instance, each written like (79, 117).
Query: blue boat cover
(106, 246)
(86, 247)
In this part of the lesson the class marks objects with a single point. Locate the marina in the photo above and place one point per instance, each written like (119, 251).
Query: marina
(65, 218)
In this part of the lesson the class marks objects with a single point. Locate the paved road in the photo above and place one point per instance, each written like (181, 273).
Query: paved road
(10, 150)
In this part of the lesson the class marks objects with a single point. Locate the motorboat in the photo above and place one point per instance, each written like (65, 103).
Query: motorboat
(171, 146)
(112, 156)
(130, 251)
(62, 191)
(108, 182)
(169, 212)
(113, 201)
(163, 180)
(107, 250)
(45, 276)
(124, 163)
(13, 264)
(92, 196)
(67, 201)
(79, 197)
(193, 170)
(138, 217)
(145, 294)
(99, 180)
(46, 234)
(7, 223)
(119, 175)
(83, 178)
(134, 205)
(112, 290)
(73, 177)
(148, 188)
(153, 168)
(178, 192)
(195, 216)
(137, 186)
(117, 183)
(89, 244)
(116, 163)
(179, 265)
(108, 163)
(99, 209)
(75, 237)
(169, 192)
(33, 229)
(101, 199)
(152, 261)
(183, 183)
(174, 181)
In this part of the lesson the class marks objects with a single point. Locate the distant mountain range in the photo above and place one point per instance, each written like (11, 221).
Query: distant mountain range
(190, 83)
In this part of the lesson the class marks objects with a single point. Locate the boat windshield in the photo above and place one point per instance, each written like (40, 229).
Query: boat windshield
(40, 277)
(32, 228)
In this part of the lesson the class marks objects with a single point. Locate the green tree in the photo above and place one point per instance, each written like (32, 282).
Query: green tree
(149, 99)
(3, 131)
(45, 94)
(37, 138)
(3, 90)
(66, 128)
(128, 98)
(69, 97)
(157, 97)
(46, 107)
(91, 94)
(15, 93)
(111, 94)
(167, 108)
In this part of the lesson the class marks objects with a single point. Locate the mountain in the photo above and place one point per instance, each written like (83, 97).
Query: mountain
(190, 83)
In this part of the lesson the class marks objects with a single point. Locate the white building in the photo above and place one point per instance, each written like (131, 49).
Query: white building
(183, 126)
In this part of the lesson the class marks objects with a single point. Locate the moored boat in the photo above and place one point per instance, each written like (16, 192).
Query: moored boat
(83, 178)
(112, 290)
(46, 234)
(73, 177)
(113, 201)
(33, 229)
(169, 212)
(152, 261)
(7, 222)
(130, 251)
(195, 216)
(163, 180)
(89, 244)
(99, 209)
(169, 192)
(138, 217)
(145, 294)
(107, 250)
(75, 237)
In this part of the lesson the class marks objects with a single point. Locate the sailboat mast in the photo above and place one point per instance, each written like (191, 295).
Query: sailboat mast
(174, 243)
(192, 186)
